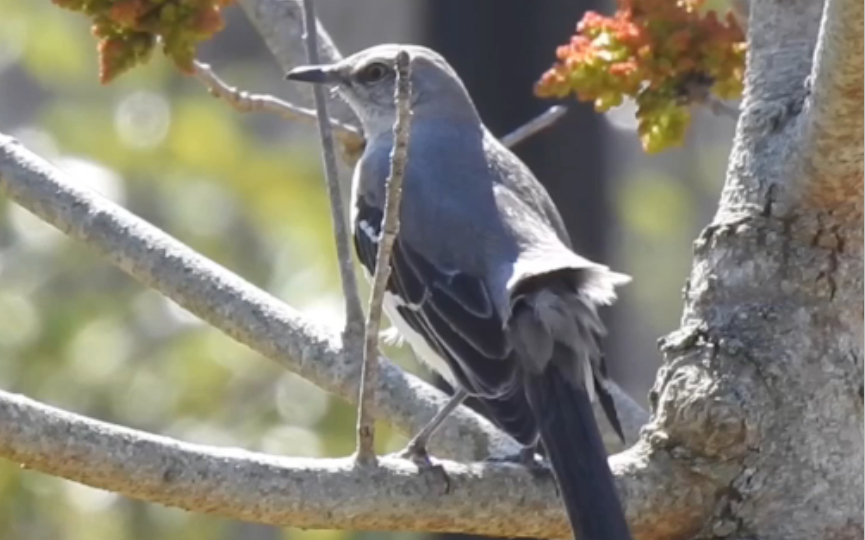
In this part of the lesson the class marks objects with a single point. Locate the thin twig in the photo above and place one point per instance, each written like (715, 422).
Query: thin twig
(353, 331)
(389, 230)
(281, 24)
(243, 101)
(533, 126)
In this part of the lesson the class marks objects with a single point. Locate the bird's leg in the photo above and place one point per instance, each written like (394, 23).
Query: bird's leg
(416, 450)
(417, 447)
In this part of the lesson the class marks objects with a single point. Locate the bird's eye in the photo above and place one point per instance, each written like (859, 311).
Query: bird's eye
(373, 73)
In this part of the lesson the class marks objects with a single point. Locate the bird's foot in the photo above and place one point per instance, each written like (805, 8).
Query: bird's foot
(416, 452)
(528, 459)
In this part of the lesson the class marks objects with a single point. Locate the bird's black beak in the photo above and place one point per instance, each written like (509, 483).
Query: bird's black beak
(314, 74)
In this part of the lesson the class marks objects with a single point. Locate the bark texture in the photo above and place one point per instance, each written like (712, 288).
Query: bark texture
(761, 390)
(489, 499)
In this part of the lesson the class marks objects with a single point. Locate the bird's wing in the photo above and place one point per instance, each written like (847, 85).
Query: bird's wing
(450, 309)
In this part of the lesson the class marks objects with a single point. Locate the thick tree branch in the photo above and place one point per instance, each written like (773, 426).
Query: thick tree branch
(772, 325)
(780, 49)
(831, 144)
(662, 496)
(662, 501)
(232, 305)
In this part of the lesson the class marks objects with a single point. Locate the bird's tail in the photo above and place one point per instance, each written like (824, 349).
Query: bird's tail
(574, 447)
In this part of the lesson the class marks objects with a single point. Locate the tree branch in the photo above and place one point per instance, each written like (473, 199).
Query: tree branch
(662, 500)
(535, 125)
(832, 130)
(353, 332)
(232, 305)
(780, 48)
(772, 310)
(389, 230)
(280, 23)
(349, 135)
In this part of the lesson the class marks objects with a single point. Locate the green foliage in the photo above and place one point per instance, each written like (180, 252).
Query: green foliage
(128, 30)
(664, 54)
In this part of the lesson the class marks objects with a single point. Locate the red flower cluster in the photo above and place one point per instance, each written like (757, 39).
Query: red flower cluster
(662, 53)
(128, 30)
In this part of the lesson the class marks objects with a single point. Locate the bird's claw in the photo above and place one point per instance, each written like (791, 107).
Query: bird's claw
(418, 455)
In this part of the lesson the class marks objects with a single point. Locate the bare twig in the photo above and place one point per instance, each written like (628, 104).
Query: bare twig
(353, 332)
(389, 230)
(349, 136)
(243, 101)
(280, 23)
(533, 126)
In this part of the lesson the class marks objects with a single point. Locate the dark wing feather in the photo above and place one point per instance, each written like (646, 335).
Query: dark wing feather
(452, 311)
(464, 289)
(404, 283)
(459, 299)
(606, 400)
(513, 415)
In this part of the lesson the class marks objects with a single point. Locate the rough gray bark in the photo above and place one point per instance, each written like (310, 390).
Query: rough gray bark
(490, 499)
(761, 390)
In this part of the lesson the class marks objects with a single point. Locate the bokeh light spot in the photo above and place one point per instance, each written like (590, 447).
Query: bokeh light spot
(142, 119)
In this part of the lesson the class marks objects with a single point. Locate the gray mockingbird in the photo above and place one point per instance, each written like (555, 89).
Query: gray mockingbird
(484, 285)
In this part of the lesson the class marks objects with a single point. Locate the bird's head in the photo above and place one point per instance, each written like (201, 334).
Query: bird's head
(366, 80)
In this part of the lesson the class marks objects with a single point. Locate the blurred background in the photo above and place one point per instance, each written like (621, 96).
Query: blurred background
(246, 191)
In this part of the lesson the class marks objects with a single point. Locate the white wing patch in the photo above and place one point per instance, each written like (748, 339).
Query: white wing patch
(418, 344)
(369, 231)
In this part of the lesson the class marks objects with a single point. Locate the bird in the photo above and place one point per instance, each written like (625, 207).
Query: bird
(485, 285)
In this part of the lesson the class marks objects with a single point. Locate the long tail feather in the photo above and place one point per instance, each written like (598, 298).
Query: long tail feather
(574, 447)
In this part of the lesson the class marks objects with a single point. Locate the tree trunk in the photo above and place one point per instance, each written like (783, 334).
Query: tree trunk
(761, 390)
